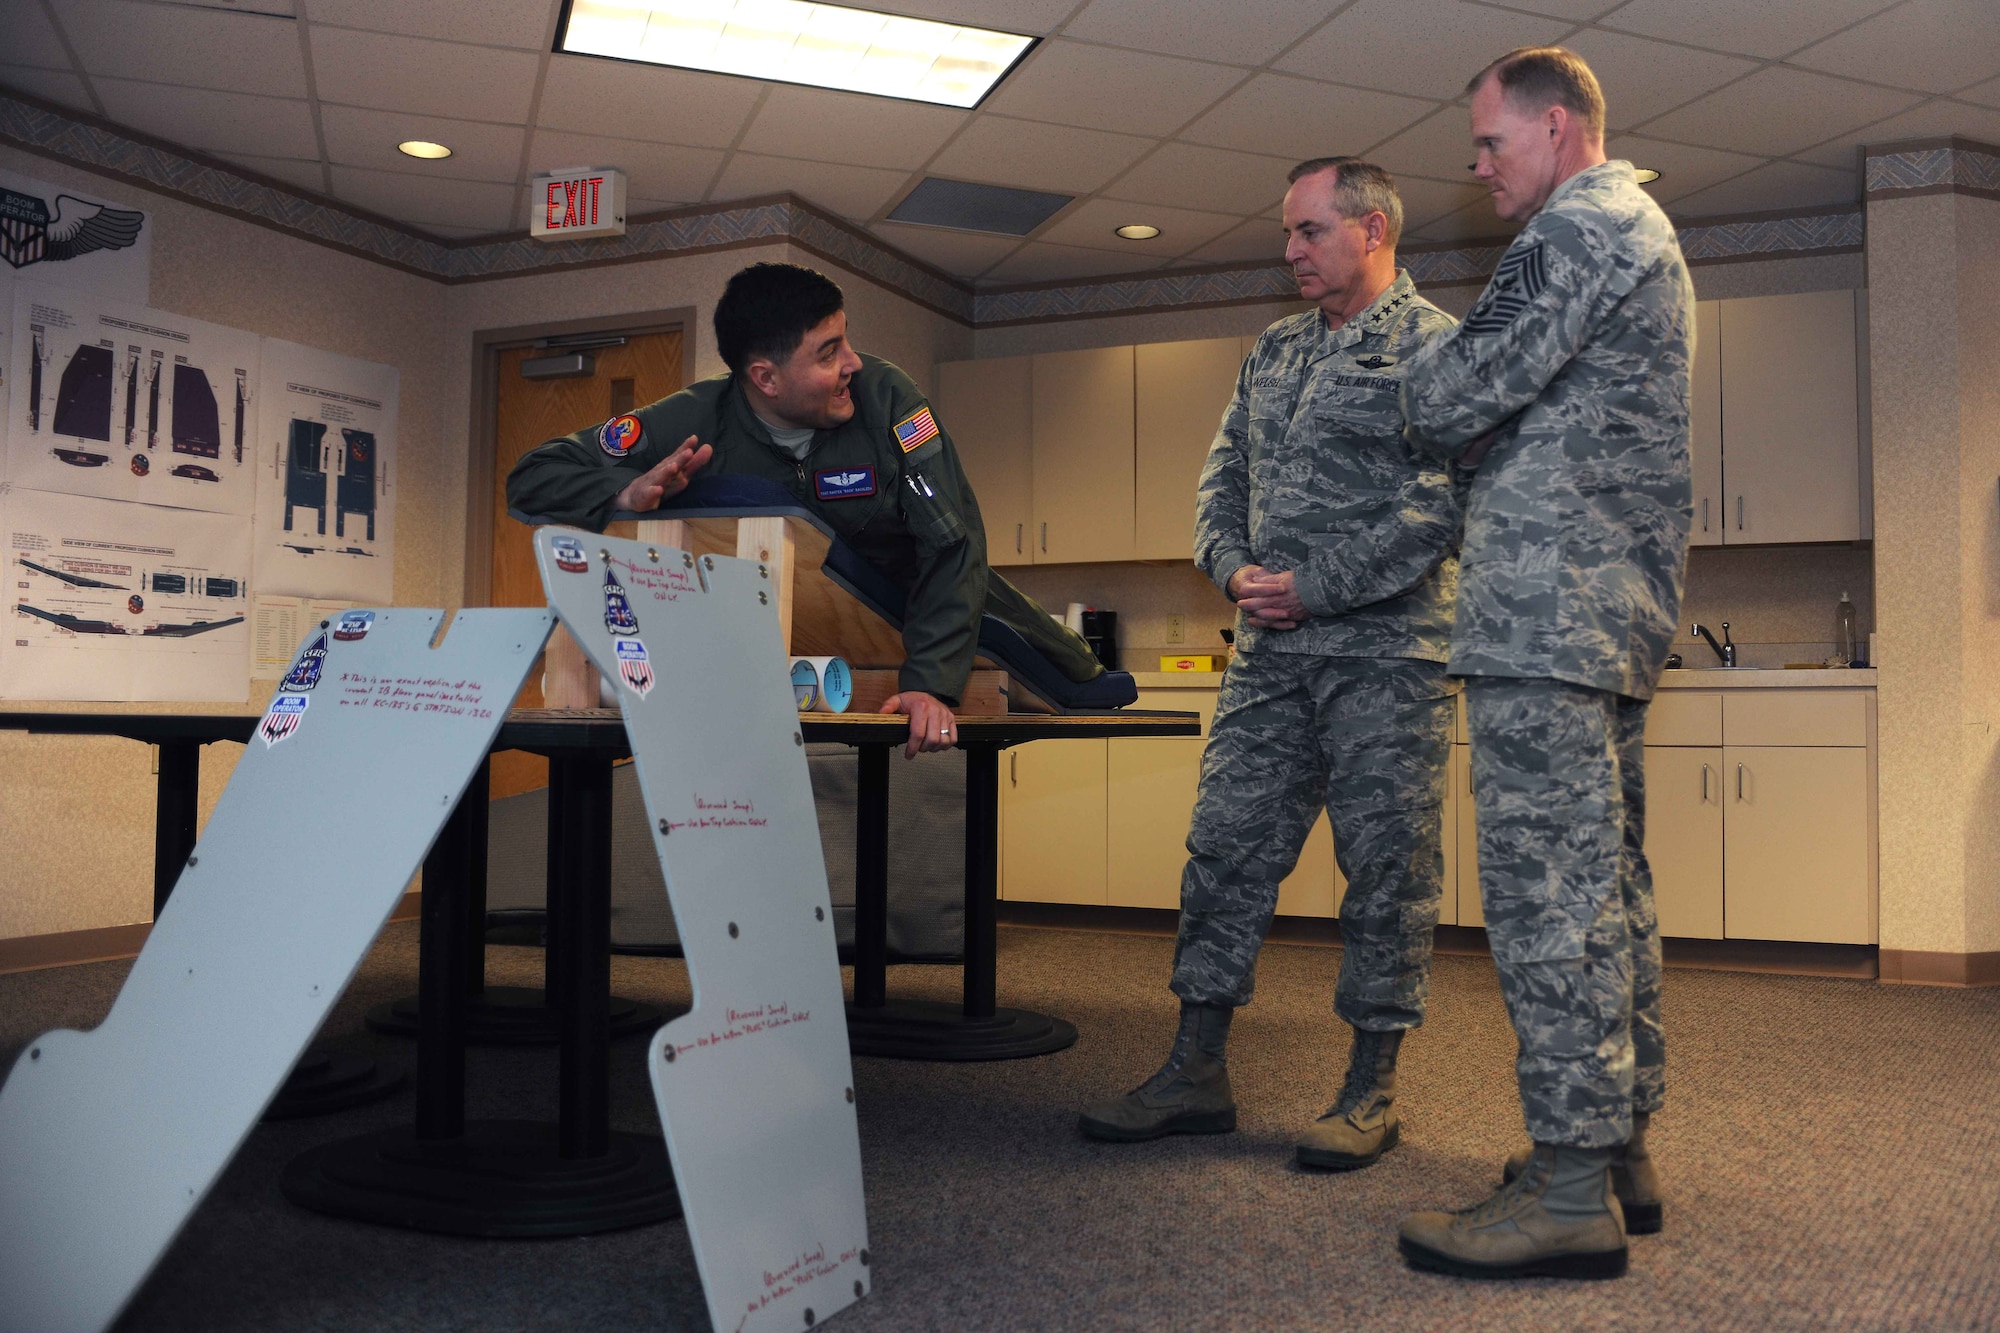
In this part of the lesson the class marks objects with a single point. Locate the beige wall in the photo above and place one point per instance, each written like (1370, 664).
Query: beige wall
(1935, 361)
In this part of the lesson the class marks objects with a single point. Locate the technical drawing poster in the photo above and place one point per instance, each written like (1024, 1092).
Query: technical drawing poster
(123, 402)
(326, 476)
(50, 233)
(124, 602)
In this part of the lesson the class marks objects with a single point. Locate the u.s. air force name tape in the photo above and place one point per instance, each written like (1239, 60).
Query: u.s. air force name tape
(822, 684)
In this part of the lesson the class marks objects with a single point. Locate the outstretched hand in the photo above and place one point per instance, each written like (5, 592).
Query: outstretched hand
(932, 726)
(666, 478)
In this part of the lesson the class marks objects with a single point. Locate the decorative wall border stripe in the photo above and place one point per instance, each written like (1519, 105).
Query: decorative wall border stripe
(115, 151)
(1933, 166)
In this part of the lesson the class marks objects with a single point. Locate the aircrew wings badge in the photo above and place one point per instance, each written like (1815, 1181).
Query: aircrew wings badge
(915, 428)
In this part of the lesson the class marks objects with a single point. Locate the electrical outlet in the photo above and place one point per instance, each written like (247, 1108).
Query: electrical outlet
(1177, 629)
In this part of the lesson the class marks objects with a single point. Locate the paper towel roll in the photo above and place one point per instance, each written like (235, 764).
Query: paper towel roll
(822, 684)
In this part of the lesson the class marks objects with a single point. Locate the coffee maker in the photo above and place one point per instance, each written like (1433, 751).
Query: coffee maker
(1100, 631)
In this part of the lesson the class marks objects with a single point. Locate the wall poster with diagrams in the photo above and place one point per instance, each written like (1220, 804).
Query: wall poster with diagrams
(122, 402)
(326, 476)
(120, 601)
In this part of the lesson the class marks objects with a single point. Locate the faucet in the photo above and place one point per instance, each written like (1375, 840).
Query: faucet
(1724, 650)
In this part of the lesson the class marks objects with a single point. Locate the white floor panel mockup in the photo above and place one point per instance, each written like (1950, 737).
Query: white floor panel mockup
(110, 1138)
(755, 1085)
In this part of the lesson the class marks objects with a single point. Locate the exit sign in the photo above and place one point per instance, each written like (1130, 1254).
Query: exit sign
(577, 203)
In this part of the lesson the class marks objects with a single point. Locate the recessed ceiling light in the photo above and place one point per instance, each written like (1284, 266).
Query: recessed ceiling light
(791, 41)
(1646, 175)
(1138, 231)
(422, 148)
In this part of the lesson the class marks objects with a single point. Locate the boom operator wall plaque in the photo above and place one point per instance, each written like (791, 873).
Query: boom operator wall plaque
(755, 1085)
(110, 1138)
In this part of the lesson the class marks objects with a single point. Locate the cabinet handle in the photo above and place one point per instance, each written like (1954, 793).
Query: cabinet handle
(1704, 513)
(1739, 513)
(1017, 537)
(1013, 777)
(1045, 539)
(1739, 782)
(1704, 784)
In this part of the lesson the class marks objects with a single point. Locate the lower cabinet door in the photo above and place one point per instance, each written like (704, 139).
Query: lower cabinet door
(1469, 911)
(1684, 792)
(1315, 886)
(1052, 821)
(1151, 799)
(1795, 846)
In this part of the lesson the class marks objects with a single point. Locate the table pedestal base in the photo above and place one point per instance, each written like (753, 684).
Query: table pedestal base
(326, 1081)
(503, 1178)
(514, 1016)
(925, 1030)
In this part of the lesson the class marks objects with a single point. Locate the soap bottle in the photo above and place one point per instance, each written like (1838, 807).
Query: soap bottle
(1843, 632)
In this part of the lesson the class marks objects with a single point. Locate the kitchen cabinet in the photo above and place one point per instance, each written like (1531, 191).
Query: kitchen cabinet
(1705, 433)
(1790, 419)
(1052, 821)
(1150, 798)
(1684, 792)
(1182, 390)
(987, 408)
(1082, 424)
(1462, 835)
(1796, 853)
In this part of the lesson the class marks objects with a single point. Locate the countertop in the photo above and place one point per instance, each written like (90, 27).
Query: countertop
(1686, 678)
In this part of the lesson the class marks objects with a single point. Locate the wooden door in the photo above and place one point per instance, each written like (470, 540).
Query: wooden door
(1790, 424)
(1183, 388)
(1705, 446)
(1052, 802)
(529, 413)
(1795, 844)
(985, 406)
(1083, 455)
(1684, 791)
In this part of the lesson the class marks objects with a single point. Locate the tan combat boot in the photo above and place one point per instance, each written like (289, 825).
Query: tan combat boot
(1634, 1179)
(1361, 1124)
(1558, 1218)
(1189, 1095)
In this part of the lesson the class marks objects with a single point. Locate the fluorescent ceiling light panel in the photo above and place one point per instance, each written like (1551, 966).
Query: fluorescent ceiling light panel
(792, 41)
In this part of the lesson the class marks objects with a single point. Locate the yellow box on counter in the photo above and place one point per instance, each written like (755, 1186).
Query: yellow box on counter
(1195, 662)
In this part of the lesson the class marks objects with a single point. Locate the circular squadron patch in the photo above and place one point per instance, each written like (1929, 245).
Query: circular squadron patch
(620, 435)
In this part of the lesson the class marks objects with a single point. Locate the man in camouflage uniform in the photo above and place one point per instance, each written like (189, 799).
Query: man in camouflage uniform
(1567, 386)
(1336, 539)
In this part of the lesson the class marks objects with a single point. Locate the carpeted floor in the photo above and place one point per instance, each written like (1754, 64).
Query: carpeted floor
(1829, 1152)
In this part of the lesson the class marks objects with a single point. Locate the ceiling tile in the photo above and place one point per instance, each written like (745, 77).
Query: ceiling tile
(28, 38)
(848, 127)
(1189, 176)
(52, 84)
(852, 192)
(1094, 222)
(648, 102)
(1439, 148)
(670, 173)
(1037, 157)
(1428, 48)
(1475, 222)
(1932, 120)
(1248, 32)
(1579, 11)
(1039, 261)
(1777, 111)
(1275, 113)
(300, 172)
(1764, 30)
(1936, 45)
(199, 48)
(421, 201)
(1099, 87)
(1774, 186)
(964, 253)
(1683, 169)
(522, 23)
(1986, 94)
(1254, 241)
(432, 78)
(481, 152)
(1427, 200)
(1643, 78)
(216, 122)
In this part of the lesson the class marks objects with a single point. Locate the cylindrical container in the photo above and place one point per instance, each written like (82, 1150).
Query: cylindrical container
(822, 684)
(1074, 619)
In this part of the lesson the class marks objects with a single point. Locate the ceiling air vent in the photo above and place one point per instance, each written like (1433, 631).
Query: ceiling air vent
(969, 207)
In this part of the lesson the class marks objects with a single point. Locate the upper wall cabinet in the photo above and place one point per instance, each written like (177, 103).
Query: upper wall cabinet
(1790, 439)
(987, 409)
(1705, 443)
(1083, 483)
(1182, 391)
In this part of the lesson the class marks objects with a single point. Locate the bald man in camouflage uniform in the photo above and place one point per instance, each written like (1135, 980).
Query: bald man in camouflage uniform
(1568, 386)
(1337, 540)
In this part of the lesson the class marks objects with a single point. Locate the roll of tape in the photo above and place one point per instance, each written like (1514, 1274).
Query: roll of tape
(822, 684)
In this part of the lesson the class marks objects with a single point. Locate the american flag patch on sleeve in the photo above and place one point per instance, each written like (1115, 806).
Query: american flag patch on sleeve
(914, 429)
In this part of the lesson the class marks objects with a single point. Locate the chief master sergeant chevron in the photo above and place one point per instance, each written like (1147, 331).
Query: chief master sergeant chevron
(1567, 386)
(1336, 540)
(852, 438)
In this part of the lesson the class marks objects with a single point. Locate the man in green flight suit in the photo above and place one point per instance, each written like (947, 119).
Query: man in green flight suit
(853, 439)
(1567, 387)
